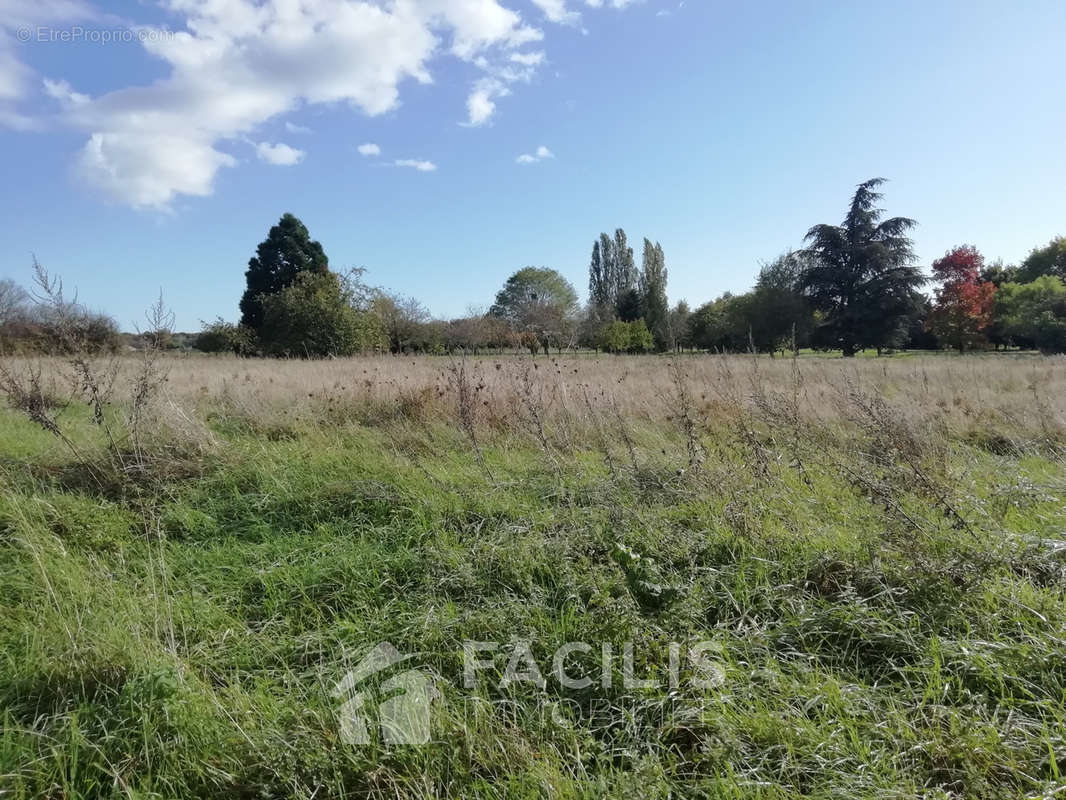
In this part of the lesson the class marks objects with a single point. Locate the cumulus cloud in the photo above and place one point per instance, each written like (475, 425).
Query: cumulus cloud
(239, 63)
(540, 154)
(481, 104)
(556, 11)
(14, 75)
(233, 65)
(292, 127)
(369, 149)
(280, 154)
(61, 91)
(148, 172)
(534, 59)
(16, 79)
(413, 163)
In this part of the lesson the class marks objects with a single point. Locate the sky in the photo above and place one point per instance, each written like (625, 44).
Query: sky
(444, 144)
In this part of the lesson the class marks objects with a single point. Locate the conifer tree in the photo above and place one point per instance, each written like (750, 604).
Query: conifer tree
(863, 279)
(287, 252)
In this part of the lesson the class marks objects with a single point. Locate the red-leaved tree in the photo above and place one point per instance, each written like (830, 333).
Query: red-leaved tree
(964, 303)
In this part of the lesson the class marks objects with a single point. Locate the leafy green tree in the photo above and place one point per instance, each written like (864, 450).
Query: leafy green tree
(997, 273)
(287, 252)
(224, 337)
(764, 318)
(863, 279)
(1047, 260)
(919, 337)
(626, 337)
(403, 319)
(614, 338)
(1035, 312)
(641, 339)
(652, 287)
(750, 322)
(315, 317)
(777, 314)
(679, 324)
(538, 303)
(475, 332)
(719, 325)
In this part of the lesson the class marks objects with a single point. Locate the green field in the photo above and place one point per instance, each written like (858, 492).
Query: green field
(874, 556)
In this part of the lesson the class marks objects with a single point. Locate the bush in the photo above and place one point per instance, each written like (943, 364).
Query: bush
(314, 317)
(627, 337)
(224, 337)
(44, 330)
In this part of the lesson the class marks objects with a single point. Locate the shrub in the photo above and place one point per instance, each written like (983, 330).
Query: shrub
(224, 337)
(627, 337)
(314, 317)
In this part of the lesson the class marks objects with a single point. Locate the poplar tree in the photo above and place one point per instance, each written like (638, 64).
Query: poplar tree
(652, 287)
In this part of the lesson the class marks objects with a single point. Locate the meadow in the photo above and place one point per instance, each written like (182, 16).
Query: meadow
(194, 551)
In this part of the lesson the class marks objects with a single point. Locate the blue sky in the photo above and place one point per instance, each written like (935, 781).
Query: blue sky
(722, 130)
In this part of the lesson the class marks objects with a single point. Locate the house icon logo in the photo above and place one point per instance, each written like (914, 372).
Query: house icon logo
(398, 707)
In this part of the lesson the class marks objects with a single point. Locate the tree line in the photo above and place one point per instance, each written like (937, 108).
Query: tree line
(850, 287)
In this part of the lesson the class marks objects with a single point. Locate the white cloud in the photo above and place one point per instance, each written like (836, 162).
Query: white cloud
(369, 149)
(234, 65)
(61, 91)
(18, 17)
(413, 163)
(540, 154)
(610, 3)
(292, 127)
(280, 154)
(241, 62)
(27, 13)
(556, 11)
(481, 104)
(148, 172)
(534, 59)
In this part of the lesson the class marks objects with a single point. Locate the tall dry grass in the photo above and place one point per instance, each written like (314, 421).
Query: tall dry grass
(560, 404)
(1017, 395)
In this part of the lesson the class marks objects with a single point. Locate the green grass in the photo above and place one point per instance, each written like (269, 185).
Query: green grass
(179, 637)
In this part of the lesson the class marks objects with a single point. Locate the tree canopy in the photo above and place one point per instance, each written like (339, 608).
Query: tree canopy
(539, 302)
(1047, 260)
(612, 274)
(654, 303)
(863, 278)
(1035, 312)
(287, 252)
(964, 303)
(314, 317)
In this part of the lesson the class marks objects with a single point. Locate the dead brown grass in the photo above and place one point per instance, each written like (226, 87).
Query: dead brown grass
(997, 397)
